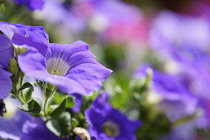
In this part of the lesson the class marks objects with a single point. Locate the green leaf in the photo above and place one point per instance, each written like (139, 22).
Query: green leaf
(27, 93)
(26, 85)
(31, 107)
(68, 102)
(60, 125)
(74, 122)
(57, 111)
(119, 99)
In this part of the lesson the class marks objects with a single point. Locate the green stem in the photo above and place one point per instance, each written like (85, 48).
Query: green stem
(48, 94)
(45, 108)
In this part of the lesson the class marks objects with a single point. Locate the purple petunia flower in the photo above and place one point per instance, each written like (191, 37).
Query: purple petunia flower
(107, 123)
(175, 100)
(35, 33)
(31, 4)
(6, 52)
(70, 66)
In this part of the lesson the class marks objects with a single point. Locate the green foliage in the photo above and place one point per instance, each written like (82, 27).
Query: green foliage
(27, 94)
(67, 102)
(31, 107)
(60, 125)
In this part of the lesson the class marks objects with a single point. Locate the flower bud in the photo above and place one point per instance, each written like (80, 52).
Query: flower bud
(13, 66)
(82, 133)
(19, 50)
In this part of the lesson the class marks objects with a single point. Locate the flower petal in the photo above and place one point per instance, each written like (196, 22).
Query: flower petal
(6, 51)
(35, 33)
(5, 83)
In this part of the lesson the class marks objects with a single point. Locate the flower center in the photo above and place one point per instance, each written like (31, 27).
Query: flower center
(111, 129)
(57, 66)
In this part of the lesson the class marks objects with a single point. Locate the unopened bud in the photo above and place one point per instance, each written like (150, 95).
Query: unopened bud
(19, 50)
(13, 66)
(82, 133)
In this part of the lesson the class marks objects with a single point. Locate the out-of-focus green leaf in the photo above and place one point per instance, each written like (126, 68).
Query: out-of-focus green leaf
(60, 125)
(68, 102)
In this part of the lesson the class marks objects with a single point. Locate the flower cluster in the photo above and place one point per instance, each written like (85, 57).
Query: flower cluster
(53, 87)
(26, 51)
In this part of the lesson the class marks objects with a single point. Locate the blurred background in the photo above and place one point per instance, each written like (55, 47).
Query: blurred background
(170, 37)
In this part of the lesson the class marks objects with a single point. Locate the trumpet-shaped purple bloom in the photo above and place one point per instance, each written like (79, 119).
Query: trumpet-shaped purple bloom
(31, 4)
(107, 123)
(6, 52)
(70, 66)
(35, 33)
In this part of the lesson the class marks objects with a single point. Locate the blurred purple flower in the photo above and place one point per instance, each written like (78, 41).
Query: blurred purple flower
(107, 123)
(31, 4)
(66, 21)
(22, 126)
(70, 66)
(6, 52)
(11, 128)
(185, 131)
(36, 130)
(184, 40)
(176, 100)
